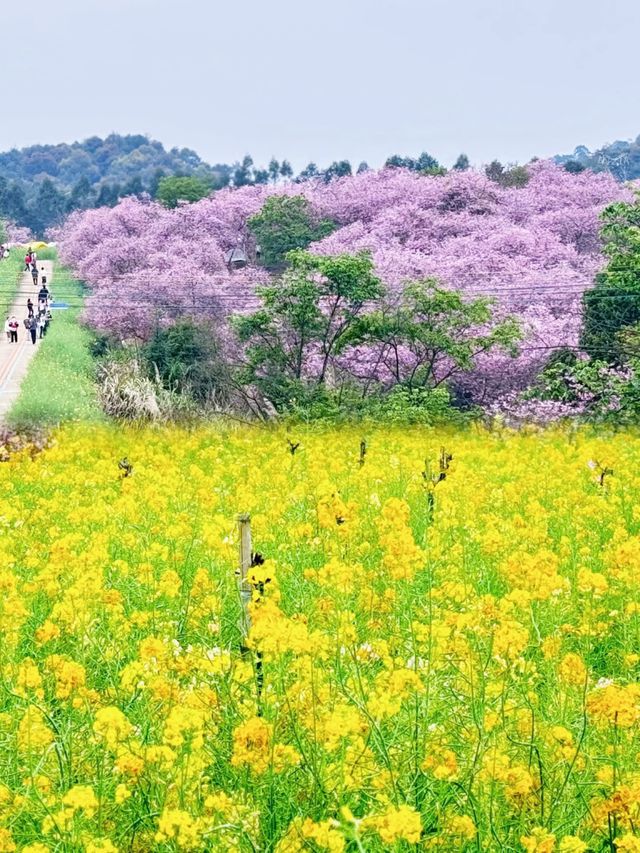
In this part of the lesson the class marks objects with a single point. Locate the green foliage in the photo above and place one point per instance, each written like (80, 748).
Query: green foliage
(10, 272)
(462, 163)
(598, 391)
(50, 207)
(424, 163)
(337, 169)
(614, 303)
(443, 332)
(401, 405)
(574, 167)
(565, 378)
(507, 176)
(175, 189)
(187, 359)
(621, 158)
(60, 383)
(92, 173)
(292, 322)
(50, 253)
(316, 311)
(285, 223)
(13, 201)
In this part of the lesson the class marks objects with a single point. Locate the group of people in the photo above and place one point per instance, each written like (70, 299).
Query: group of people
(4, 251)
(31, 265)
(35, 324)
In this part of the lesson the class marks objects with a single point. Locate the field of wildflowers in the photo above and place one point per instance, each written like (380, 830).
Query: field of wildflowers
(444, 652)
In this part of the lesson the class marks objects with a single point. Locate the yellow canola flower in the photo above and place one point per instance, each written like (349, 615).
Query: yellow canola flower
(539, 841)
(81, 797)
(571, 844)
(628, 843)
(255, 748)
(463, 638)
(396, 824)
(112, 726)
(614, 704)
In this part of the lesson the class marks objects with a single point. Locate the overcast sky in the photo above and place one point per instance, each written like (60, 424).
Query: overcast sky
(356, 79)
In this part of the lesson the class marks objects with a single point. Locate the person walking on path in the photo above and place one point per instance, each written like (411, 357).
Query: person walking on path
(27, 262)
(33, 329)
(42, 325)
(34, 275)
(13, 329)
(29, 307)
(7, 330)
(43, 298)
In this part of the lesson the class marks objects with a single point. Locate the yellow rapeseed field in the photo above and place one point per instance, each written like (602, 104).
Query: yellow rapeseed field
(444, 653)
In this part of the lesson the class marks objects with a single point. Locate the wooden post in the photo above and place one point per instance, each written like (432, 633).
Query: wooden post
(244, 564)
(363, 452)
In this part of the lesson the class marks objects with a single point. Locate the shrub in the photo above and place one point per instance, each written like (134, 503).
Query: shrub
(126, 393)
(188, 359)
(286, 223)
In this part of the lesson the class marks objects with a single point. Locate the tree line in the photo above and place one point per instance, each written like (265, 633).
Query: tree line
(41, 184)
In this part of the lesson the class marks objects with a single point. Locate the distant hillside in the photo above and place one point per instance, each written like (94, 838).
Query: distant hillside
(39, 185)
(42, 184)
(621, 158)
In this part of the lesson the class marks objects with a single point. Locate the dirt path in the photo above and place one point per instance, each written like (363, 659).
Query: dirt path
(15, 358)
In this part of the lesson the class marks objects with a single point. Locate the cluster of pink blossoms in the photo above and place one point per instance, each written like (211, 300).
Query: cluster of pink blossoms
(534, 249)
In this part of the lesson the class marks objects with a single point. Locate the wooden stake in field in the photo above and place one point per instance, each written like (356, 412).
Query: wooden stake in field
(244, 564)
(247, 559)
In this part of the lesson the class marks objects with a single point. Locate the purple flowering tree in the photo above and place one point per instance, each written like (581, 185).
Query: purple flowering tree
(533, 249)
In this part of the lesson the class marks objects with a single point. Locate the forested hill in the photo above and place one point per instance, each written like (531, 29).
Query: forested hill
(42, 183)
(621, 158)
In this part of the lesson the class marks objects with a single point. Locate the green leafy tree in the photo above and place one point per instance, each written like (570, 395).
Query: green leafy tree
(173, 190)
(433, 334)
(108, 195)
(309, 171)
(515, 176)
(13, 202)
(292, 339)
(243, 172)
(494, 171)
(285, 223)
(338, 169)
(154, 183)
(49, 208)
(435, 171)
(424, 162)
(574, 166)
(462, 163)
(507, 176)
(614, 303)
(286, 170)
(82, 196)
(134, 186)
(188, 360)
(274, 170)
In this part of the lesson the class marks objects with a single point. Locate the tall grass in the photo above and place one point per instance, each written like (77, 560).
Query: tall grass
(10, 272)
(60, 383)
(48, 254)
